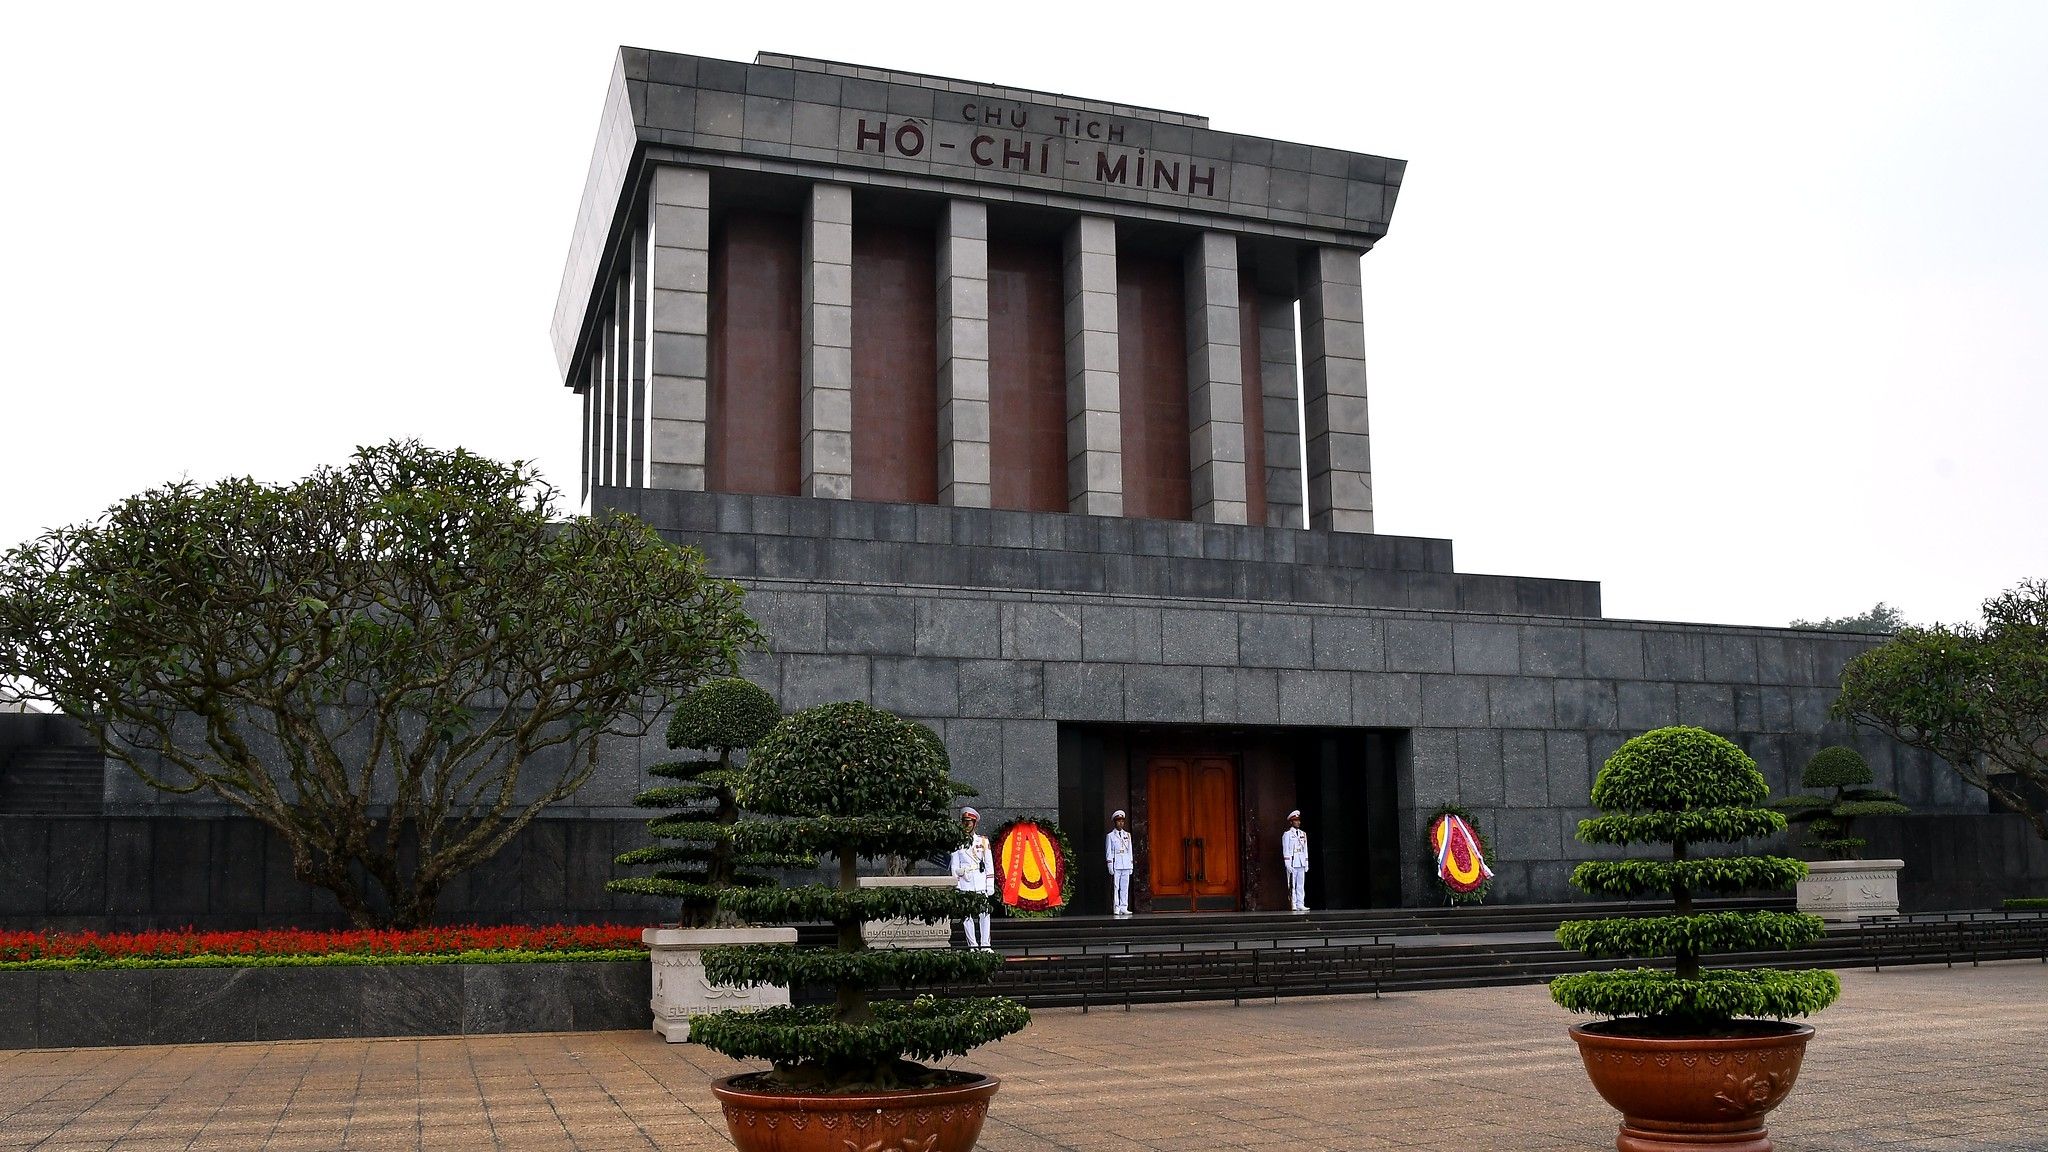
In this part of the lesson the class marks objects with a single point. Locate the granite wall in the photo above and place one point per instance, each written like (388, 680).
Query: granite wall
(221, 1005)
(999, 627)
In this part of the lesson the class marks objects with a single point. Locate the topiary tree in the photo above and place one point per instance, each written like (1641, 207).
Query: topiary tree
(1685, 787)
(847, 782)
(697, 859)
(1828, 817)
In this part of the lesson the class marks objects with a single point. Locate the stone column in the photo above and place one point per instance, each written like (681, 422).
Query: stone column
(1095, 464)
(609, 389)
(963, 355)
(1333, 391)
(826, 403)
(621, 359)
(1215, 380)
(1280, 393)
(589, 398)
(679, 324)
(640, 319)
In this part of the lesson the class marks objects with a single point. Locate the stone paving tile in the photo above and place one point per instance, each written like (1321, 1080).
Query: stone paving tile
(1912, 1060)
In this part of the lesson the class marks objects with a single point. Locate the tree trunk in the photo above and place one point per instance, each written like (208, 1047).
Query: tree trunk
(849, 1001)
(1688, 961)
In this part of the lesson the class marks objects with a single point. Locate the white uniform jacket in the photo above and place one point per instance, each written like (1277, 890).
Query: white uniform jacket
(974, 867)
(1118, 850)
(1294, 849)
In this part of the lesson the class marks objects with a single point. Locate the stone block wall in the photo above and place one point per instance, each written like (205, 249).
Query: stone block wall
(1508, 712)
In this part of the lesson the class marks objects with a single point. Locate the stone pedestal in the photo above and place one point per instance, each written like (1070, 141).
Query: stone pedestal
(907, 933)
(680, 989)
(1845, 891)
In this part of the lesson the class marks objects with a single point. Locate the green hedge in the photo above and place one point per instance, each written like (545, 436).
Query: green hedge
(1708, 873)
(872, 968)
(1700, 826)
(1699, 933)
(1714, 997)
(2026, 903)
(927, 1028)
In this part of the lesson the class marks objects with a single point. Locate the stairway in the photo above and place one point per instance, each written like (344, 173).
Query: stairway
(1431, 947)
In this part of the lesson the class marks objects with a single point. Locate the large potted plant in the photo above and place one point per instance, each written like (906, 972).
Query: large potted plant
(1844, 887)
(695, 858)
(850, 782)
(1693, 1057)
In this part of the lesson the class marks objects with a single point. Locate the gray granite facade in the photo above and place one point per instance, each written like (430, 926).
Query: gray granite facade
(1001, 629)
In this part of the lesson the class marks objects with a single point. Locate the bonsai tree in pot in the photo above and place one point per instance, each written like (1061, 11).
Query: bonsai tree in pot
(1843, 886)
(850, 782)
(1736, 1057)
(1828, 817)
(695, 858)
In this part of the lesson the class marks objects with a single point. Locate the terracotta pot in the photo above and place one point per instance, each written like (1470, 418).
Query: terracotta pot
(1679, 1093)
(912, 1120)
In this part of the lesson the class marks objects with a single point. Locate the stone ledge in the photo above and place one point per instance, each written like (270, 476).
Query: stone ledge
(119, 1007)
(793, 537)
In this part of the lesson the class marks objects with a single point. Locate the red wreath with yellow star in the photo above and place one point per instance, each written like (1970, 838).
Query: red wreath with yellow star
(1034, 875)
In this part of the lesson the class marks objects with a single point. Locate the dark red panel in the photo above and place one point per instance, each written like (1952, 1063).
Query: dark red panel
(895, 364)
(1027, 376)
(1254, 403)
(1152, 351)
(756, 365)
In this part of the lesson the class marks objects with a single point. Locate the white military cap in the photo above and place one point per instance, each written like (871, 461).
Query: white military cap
(1294, 815)
(1118, 814)
(970, 812)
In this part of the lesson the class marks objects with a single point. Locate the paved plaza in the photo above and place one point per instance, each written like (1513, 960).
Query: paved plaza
(1912, 1058)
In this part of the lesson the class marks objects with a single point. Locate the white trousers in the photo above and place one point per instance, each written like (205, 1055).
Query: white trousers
(1297, 889)
(970, 924)
(1121, 882)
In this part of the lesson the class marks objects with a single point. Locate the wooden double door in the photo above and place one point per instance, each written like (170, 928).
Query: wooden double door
(1192, 817)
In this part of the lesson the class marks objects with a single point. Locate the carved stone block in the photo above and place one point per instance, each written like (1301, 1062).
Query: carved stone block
(907, 933)
(680, 989)
(1845, 891)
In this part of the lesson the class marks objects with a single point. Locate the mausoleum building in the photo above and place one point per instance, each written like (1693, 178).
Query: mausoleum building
(1045, 420)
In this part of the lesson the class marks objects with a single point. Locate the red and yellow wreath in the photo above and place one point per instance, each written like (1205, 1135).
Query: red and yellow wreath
(1034, 875)
(1459, 853)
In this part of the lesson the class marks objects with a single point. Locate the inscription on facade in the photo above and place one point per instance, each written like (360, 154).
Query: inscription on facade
(1031, 140)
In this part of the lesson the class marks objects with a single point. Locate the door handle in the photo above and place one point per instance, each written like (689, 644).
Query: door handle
(1201, 859)
(1187, 869)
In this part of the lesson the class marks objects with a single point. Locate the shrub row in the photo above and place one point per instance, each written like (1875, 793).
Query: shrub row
(89, 949)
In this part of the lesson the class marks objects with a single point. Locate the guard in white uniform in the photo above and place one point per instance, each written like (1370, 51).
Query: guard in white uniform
(1118, 850)
(974, 870)
(1294, 856)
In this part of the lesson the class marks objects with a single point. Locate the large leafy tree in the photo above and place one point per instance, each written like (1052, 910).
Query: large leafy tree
(394, 664)
(1880, 620)
(1975, 695)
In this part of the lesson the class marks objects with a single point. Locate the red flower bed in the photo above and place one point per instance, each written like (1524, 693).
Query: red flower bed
(22, 946)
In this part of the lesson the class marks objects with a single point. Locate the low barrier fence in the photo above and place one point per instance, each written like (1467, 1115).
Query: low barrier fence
(1946, 937)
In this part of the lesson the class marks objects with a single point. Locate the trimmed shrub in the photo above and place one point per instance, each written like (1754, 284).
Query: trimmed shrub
(696, 858)
(2026, 903)
(1685, 787)
(848, 781)
(1827, 818)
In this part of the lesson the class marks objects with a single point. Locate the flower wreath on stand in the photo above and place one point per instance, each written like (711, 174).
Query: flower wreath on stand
(1460, 864)
(1034, 867)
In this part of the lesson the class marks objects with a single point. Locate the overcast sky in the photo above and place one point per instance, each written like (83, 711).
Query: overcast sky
(1738, 309)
